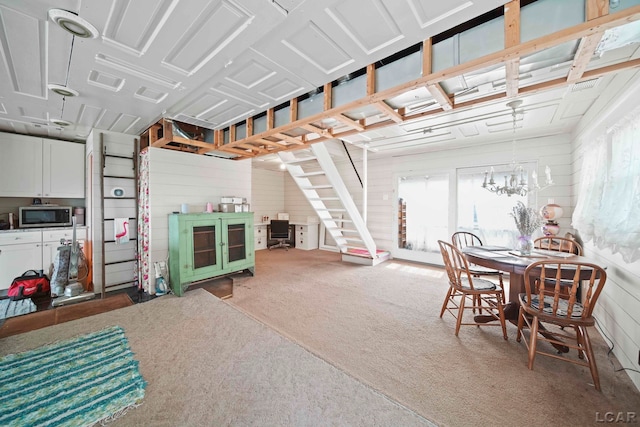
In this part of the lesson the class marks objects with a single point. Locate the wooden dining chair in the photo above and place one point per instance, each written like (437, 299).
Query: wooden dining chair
(467, 292)
(559, 244)
(548, 300)
(462, 239)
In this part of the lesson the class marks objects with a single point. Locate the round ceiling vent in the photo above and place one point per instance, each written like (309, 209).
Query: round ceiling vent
(72, 23)
(62, 90)
(60, 122)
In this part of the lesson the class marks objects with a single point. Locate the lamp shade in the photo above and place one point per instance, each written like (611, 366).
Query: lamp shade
(551, 211)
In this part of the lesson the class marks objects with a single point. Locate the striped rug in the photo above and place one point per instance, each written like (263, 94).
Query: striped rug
(77, 382)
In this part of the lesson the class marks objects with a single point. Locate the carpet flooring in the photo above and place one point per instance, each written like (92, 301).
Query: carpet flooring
(381, 324)
(208, 364)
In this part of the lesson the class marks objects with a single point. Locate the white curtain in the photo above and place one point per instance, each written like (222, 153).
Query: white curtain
(608, 206)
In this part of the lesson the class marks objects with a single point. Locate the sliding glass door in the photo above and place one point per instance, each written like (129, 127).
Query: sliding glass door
(423, 216)
(432, 206)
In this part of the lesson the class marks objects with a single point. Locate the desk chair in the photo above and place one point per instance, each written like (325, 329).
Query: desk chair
(548, 300)
(465, 289)
(279, 230)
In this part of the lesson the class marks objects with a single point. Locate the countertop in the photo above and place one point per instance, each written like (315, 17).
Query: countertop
(36, 229)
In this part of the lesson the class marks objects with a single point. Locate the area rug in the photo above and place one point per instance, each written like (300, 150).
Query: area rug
(10, 308)
(79, 381)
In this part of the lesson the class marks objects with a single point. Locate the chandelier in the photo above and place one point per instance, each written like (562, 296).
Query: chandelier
(516, 182)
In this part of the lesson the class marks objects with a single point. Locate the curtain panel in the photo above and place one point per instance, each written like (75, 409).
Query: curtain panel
(608, 207)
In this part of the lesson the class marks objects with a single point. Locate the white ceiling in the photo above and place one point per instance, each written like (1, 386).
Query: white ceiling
(213, 63)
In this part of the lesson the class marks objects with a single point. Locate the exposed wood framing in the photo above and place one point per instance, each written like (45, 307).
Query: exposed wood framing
(275, 139)
(512, 38)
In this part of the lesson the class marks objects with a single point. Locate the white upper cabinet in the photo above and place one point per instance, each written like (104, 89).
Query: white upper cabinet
(20, 166)
(36, 167)
(62, 169)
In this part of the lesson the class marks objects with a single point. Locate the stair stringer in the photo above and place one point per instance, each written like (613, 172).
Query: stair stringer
(334, 226)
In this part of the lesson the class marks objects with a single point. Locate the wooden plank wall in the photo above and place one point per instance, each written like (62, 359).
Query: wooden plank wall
(267, 193)
(619, 304)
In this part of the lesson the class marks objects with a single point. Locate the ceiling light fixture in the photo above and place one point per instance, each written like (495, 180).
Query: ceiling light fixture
(517, 183)
(62, 90)
(72, 23)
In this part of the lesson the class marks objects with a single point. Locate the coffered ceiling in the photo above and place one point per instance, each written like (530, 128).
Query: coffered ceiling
(216, 63)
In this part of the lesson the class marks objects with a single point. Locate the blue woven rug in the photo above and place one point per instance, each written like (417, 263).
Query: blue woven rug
(10, 308)
(77, 382)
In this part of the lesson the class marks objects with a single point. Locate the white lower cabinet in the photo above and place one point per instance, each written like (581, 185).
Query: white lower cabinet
(260, 237)
(307, 236)
(21, 251)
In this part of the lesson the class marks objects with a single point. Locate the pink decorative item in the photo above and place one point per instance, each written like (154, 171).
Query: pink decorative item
(550, 212)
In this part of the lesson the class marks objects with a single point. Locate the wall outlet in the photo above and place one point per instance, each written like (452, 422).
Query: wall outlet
(638, 357)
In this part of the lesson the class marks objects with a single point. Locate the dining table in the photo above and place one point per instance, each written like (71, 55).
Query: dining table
(512, 262)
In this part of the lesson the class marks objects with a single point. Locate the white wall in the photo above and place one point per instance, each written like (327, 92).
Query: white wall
(618, 309)
(383, 173)
(267, 193)
(176, 178)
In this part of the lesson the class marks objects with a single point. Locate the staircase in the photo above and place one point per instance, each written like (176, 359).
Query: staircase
(316, 175)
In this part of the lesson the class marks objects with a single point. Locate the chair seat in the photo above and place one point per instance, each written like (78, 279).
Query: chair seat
(563, 305)
(478, 269)
(480, 285)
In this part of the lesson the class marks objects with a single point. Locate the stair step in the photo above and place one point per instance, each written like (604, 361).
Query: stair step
(352, 239)
(321, 199)
(313, 187)
(331, 210)
(309, 174)
(301, 160)
(337, 220)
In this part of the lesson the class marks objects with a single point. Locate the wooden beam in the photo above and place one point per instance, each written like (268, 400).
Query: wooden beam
(317, 130)
(327, 92)
(371, 79)
(278, 144)
(232, 133)
(251, 147)
(270, 118)
(350, 122)
(512, 38)
(586, 50)
(440, 96)
(236, 151)
(588, 44)
(293, 110)
(514, 52)
(427, 52)
(288, 138)
(249, 126)
(393, 114)
(596, 9)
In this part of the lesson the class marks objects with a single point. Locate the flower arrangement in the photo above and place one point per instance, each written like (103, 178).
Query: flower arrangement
(527, 219)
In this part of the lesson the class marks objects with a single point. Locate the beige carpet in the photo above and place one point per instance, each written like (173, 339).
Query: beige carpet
(381, 325)
(208, 364)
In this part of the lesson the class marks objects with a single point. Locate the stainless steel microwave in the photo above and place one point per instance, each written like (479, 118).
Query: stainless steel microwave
(45, 216)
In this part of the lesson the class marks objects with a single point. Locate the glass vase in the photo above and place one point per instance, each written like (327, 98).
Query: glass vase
(524, 245)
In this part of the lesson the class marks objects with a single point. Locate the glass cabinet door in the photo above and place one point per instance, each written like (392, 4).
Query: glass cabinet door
(204, 246)
(235, 241)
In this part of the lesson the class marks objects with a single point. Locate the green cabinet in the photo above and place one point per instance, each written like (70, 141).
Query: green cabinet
(206, 245)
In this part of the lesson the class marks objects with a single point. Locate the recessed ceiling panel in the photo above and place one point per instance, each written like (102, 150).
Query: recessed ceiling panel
(123, 123)
(136, 71)
(281, 90)
(204, 103)
(371, 28)
(428, 12)
(228, 114)
(23, 42)
(246, 97)
(134, 25)
(216, 26)
(105, 81)
(312, 44)
(250, 74)
(89, 115)
(150, 95)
